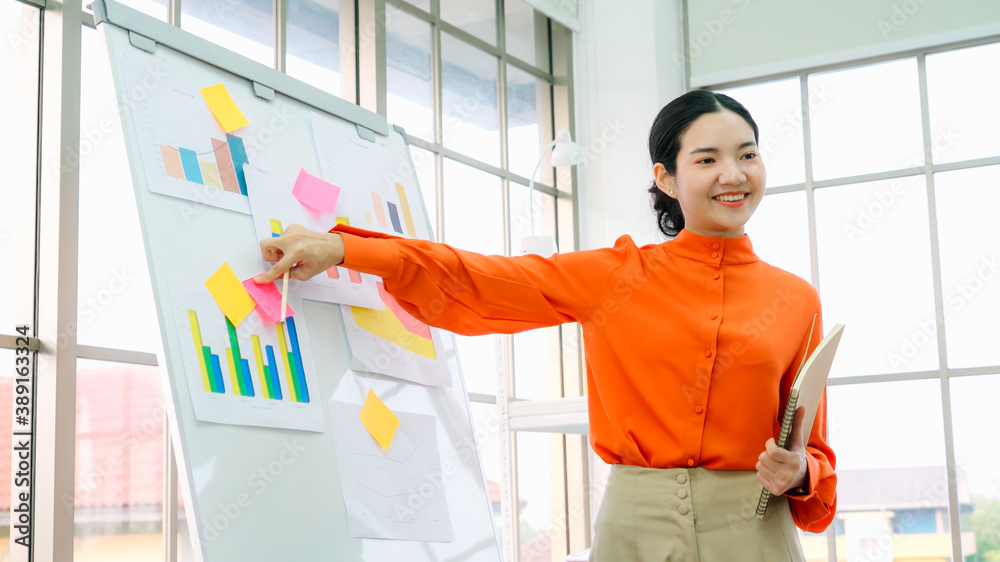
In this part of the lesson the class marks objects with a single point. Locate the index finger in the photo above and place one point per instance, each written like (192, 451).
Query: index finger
(277, 270)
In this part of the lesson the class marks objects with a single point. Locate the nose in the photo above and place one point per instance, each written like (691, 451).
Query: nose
(731, 174)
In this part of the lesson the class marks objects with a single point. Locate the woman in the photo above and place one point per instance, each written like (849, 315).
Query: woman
(691, 346)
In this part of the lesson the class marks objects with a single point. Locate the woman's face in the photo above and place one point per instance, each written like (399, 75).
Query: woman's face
(720, 177)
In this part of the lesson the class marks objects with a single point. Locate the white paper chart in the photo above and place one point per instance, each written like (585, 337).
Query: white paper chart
(381, 195)
(185, 152)
(260, 373)
(274, 208)
(395, 494)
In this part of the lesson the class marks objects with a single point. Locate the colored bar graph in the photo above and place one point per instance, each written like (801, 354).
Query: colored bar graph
(272, 372)
(355, 276)
(379, 209)
(265, 383)
(283, 347)
(332, 273)
(226, 171)
(300, 373)
(196, 331)
(172, 162)
(192, 170)
(239, 156)
(394, 216)
(211, 174)
(407, 217)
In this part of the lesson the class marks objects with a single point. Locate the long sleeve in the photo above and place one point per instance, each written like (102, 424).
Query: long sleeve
(815, 510)
(469, 293)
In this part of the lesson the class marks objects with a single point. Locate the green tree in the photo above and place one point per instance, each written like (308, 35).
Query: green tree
(986, 526)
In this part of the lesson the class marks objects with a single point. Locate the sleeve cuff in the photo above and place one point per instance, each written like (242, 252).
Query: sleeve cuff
(376, 255)
(812, 467)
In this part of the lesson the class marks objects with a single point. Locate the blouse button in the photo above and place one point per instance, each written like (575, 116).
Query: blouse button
(715, 254)
(698, 409)
(715, 245)
(715, 276)
(713, 317)
(690, 462)
(708, 353)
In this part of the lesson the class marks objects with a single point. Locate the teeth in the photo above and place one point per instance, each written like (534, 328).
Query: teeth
(731, 197)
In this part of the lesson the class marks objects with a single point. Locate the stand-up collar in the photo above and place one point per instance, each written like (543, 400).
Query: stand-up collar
(709, 249)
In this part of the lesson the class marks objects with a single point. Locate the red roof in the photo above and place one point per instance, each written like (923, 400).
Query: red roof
(119, 443)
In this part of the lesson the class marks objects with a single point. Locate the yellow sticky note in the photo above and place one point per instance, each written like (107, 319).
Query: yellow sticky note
(223, 107)
(229, 294)
(379, 420)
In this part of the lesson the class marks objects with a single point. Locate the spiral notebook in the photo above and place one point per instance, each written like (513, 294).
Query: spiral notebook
(807, 391)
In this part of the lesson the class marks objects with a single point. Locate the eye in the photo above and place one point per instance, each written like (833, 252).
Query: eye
(750, 155)
(706, 161)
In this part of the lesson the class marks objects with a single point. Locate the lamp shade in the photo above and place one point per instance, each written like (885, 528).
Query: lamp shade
(567, 152)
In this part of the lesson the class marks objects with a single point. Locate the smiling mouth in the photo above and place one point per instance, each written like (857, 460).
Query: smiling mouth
(731, 197)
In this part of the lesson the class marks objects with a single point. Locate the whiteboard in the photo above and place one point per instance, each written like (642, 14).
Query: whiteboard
(256, 489)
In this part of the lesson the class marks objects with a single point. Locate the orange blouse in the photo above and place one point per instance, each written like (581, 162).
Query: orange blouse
(691, 345)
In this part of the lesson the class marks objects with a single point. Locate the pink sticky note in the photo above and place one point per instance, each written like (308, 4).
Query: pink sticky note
(315, 192)
(268, 298)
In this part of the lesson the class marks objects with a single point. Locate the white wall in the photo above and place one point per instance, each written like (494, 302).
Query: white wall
(625, 69)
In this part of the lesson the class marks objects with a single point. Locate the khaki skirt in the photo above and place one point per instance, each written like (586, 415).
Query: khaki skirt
(690, 515)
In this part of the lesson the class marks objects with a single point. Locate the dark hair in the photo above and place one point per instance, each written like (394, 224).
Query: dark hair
(665, 142)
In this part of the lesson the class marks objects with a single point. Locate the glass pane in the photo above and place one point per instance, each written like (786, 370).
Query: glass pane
(538, 457)
(961, 130)
(115, 306)
(529, 103)
(974, 415)
(19, 26)
(423, 163)
(970, 265)
(6, 404)
(478, 357)
(527, 33)
(424, 5)
(469, 100)
(776, 107)
(875, 275)
(779, 231)
(119, 463)
(313, 43)
(866, 120)
(486, 419)
(242, 26)
(537, 374)
(477, 17)
(473, 209)
(892, 487)
(155, 8)
(538, 219)
(408, 75)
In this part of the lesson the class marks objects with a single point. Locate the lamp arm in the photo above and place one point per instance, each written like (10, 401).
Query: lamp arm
(531, 184)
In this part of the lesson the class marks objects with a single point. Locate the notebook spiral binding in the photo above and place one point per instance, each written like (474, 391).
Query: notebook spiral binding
(786, 430)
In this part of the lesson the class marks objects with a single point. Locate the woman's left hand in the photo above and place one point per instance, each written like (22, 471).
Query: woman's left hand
(780, 470)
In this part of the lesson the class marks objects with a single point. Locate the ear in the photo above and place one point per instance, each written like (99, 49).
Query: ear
(664, 181)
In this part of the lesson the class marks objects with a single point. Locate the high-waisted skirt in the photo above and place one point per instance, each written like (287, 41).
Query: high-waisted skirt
(690, 515)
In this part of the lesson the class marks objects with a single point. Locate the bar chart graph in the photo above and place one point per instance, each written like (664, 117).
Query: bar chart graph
(258, 374)
(399, 214)
(185, 153)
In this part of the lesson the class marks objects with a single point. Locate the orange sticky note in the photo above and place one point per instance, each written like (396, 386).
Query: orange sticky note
(230, 294)
(379, 420)
(222, 106)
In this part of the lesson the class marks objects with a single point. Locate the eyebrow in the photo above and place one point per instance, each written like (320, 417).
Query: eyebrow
(713, 150)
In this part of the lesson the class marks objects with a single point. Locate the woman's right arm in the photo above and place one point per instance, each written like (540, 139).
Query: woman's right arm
(470, 293)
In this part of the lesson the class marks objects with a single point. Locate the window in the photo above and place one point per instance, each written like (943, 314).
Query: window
(876, 197)
(473, 85)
